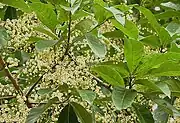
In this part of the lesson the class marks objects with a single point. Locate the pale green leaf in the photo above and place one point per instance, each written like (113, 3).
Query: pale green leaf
(87, 95)
(96, 45)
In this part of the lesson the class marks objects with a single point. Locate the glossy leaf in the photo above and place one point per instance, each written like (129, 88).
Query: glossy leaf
(144, 115)
(87, 95)
(96, 45)
(36, 112)
(67, 115)
(83, 115)
(134, 51)
(109, 75)
(123, 98)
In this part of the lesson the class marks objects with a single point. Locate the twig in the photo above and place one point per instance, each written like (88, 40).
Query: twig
(9, 75)
(7, 97)
(69, 37)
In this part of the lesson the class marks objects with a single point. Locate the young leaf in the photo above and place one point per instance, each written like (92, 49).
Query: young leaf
(119, 16)
(96, 45)
(123, 98)
(134, 51)
(20, 4)
(109, 74)
(67, 115)
(87, 95)
(84, 116)
(36, 112)
(144, 115)
(45, 13)
(41, 45)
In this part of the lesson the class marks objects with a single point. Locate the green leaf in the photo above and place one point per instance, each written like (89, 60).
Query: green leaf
(165, 105)
(114, 34)
(171, 5)
(85, 25)
(144, 115)
(123, 98)
(129, 29)
(4, 37)
(166, 69)
(22, 56)
(20, 4)
(151, 40)
(36, 112)
(163, 34)
(10, 13)
(167, 14)
(83, 115)
(173, 28)
(46, 31)
(96, 45)
(119, 16)
(100, 13)
(67, 115)
(74, 7)
(87, 95)
(164, 88)
(46, 14)
(44, 91)
(134, 51)
(120, 67)
(109, 75)
(160, 115)
(41, 45)
(174, 85)
(175, 48)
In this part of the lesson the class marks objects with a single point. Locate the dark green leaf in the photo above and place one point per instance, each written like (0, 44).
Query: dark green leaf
(83, 115)
(10, 13)
(67, 115)
(123, 98)
(36, 112)
(109, 74)
(151, 40)
(144, 115)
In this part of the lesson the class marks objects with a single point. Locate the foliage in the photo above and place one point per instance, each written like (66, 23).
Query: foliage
(143, 61)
